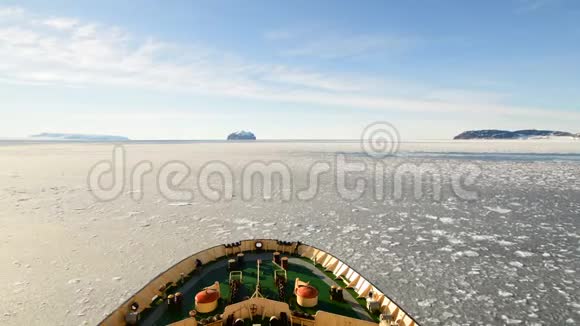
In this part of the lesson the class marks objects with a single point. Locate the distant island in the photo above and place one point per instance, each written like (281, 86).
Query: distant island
(518, 134)
(78, 137)
(242, 135)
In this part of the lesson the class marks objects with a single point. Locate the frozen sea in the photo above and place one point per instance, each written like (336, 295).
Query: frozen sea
(509, 256)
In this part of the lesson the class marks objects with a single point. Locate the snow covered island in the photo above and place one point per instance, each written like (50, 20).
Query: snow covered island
(77, 137)
(242, 135)
(518, 134)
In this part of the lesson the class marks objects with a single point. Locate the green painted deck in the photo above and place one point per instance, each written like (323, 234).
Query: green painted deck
(217, 271)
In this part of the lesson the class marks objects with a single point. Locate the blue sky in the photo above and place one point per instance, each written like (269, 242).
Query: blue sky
(299, 69)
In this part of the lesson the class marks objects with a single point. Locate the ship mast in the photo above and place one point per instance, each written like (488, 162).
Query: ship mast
(257, 292)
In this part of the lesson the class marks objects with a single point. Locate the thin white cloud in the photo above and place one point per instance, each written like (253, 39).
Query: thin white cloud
(10, 12)
(166, 114)
(324, 44)
(424, 105)
(276, 35)
(349, 46)
(84, 54)
(533, 5)
(464, 96)
(314, 80)
(61, 23)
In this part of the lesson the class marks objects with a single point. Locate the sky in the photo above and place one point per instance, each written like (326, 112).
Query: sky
(183, 69)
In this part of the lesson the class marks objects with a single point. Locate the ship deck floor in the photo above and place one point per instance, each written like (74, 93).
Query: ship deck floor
(217, 271)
